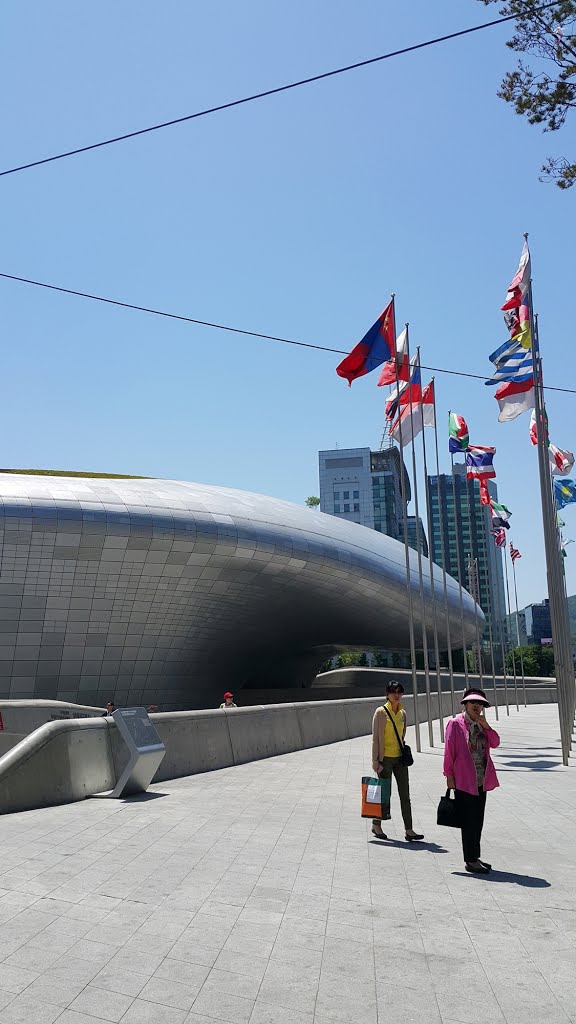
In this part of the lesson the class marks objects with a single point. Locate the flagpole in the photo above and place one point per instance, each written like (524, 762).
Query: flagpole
(472, 557)
(431, 563)
(419, 555)
(490, 615)
(503, 634)
(564, 666)
(510, 619)
(443, 555)
(513, 560)
(459, 564)
(407, 550)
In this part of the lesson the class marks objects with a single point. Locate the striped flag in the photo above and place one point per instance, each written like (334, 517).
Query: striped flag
(499, 537)
(479, 462)
(512, 362)
(514, 553)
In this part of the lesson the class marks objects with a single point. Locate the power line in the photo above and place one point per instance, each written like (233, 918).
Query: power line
(233, 330)
(270, 92)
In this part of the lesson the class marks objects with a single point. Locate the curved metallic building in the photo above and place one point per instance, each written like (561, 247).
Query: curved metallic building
(165, 592)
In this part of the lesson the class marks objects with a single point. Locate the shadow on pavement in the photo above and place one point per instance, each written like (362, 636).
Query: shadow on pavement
(403, 845)
(533, 766)
(140, 798)
(529, 881)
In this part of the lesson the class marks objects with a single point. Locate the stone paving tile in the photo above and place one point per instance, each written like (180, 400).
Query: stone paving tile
(291, 911)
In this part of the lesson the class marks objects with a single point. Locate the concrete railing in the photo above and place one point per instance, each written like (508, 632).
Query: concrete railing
(18, 718)
(68, 760)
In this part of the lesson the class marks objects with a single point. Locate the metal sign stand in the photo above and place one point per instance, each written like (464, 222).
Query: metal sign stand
(146, 751)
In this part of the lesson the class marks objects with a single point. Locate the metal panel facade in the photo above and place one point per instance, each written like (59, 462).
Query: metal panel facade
(165, 592)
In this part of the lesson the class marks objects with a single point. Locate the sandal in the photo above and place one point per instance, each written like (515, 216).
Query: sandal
(379, 834)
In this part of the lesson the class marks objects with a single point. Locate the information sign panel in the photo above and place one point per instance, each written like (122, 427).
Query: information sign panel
(146, 750)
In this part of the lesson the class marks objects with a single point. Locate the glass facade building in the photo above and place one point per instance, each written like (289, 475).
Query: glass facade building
(364, 487)
(470, 554)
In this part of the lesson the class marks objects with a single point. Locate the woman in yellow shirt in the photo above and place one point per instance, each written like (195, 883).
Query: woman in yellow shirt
(386, 756)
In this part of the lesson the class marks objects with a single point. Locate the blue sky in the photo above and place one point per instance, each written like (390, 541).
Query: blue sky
(294, 216)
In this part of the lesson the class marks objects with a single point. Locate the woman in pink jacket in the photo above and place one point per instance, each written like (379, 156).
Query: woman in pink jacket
(470, 772)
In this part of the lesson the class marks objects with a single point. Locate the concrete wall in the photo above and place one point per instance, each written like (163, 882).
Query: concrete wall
(68, 760)
(58, 763)
(18, 718)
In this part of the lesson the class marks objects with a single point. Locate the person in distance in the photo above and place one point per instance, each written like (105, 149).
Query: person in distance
(470, 772)
(388, 731)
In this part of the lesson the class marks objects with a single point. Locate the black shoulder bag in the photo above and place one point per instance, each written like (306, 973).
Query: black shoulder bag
(406, 758)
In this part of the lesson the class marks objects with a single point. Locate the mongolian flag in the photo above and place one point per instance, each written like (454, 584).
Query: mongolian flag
(458, 430)
(376, 347)
(479, 462)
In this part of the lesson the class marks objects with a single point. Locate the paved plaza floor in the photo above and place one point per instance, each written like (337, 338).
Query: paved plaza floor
(256, 895)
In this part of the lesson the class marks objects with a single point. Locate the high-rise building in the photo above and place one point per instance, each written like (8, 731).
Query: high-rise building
(537, 625)
(470, 554)
(364, 487)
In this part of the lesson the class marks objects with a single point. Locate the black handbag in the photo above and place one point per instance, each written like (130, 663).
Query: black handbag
(448, 812)
(406, 759)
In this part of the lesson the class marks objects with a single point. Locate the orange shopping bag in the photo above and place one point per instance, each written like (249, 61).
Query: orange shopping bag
(375, 797)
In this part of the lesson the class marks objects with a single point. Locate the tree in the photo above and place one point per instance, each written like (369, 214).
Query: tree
(546, 92)
(538, 661)
(312, 501)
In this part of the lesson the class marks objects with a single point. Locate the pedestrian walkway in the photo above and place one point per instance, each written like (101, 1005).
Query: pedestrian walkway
(256, 895)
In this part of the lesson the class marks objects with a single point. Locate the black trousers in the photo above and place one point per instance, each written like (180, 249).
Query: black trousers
(471, 809)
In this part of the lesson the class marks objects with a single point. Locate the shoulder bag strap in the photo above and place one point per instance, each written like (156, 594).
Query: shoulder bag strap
(394, 727)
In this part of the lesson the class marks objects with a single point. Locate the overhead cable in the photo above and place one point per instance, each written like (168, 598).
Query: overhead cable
(232, 330)
(268, 92)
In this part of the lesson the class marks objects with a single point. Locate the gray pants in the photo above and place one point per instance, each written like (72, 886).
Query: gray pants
(391, 767)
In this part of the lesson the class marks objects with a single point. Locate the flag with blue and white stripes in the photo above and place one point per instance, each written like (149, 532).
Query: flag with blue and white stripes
(513, 362)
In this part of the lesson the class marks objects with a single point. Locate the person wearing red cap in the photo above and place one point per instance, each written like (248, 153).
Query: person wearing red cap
(228, 701)
(470, 772)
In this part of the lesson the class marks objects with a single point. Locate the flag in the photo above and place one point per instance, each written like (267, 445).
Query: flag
(533, 428)
(485, 498)
(406, 392)
(564, 492)
(564, 544)
(397, 367)
(479, 462)
(514, 553)
(413, 419)
(514, 365)
(514, 399)
(520, 283)
(500, 515)
(376, 347)
(459, 438)
(516, 309)
(499, 537)
(561, 462)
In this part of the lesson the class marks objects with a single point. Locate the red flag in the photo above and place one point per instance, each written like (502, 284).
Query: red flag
(398, 366)
(485, 498)
(376, 347)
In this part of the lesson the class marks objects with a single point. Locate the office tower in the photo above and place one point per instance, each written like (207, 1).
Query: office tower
(364, 487)
(479, 567)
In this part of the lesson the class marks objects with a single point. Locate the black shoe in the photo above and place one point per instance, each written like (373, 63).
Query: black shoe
(379, 835)
(413, 839)
(484, 864)
(482, 870)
